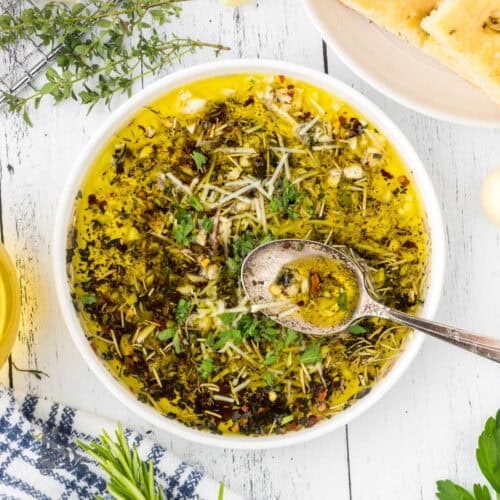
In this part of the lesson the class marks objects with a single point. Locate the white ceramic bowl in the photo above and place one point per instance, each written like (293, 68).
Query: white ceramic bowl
(119, 118)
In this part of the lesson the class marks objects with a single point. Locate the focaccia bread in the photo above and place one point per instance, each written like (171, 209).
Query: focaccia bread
(468, 33)
(402, 17)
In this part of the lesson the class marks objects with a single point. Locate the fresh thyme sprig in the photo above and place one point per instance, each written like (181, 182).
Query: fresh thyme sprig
(103, 47)
(129, 475)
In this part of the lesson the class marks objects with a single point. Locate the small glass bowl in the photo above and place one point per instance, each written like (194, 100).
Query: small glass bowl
(10, 305)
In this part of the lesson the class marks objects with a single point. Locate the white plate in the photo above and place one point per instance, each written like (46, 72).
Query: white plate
(398, 70)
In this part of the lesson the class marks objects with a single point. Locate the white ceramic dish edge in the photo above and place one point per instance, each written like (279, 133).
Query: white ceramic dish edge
(320, 24)
(119, 118)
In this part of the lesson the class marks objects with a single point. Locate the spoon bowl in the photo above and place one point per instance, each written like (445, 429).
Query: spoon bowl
(262, 267)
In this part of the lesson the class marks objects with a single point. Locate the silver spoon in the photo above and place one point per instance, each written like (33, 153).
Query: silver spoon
(263, 265)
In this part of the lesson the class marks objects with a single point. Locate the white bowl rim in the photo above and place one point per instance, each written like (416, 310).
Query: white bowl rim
(383, 88)
(219, 68)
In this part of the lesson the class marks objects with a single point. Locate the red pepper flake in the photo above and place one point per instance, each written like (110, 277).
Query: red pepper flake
(244, 408)
(322, 395)
(342, 120)
(281, 78)
(356, 126)
(315, 283)
(235, 428)
(403, 180)
(92, 199)
(385, 174)
(409, 244)
(313, 419)
(226, 413)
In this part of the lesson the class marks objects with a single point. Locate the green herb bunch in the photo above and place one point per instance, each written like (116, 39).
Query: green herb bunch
(488, 458)
(103, 47)
(129, 477)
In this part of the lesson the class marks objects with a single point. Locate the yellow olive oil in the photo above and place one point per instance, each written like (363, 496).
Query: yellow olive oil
(9, 305)
(183, 193)
(324, 292)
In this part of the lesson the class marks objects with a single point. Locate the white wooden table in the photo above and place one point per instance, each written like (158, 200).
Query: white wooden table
(425, 429)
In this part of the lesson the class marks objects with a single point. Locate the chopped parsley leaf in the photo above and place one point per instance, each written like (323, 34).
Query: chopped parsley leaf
(286, 200)
(184, 227)
(356, 329)
(182, 310)
(167, 333)
(195, 203)
(232, 334)
(199, 159)
(227, 318)
(207, 223)
(206, 367)
(342, 298)
(89, 298)
(291, 337)
(311, 355)
(177, 342)
(345, 199)
(270, 359)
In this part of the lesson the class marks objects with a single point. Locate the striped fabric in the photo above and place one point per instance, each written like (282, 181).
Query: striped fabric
(40, 460)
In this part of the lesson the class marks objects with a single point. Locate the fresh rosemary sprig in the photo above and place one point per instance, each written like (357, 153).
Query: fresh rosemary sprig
(103, 47)
(129, 476)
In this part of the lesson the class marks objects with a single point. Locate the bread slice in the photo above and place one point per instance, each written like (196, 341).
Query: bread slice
(466, 32)
(402, 17)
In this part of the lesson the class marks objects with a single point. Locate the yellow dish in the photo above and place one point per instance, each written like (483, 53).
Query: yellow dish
(9, 305)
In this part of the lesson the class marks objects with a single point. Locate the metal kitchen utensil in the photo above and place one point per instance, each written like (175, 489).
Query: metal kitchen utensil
(263, 265)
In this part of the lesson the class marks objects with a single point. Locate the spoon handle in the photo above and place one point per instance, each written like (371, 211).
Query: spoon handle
(484, 346)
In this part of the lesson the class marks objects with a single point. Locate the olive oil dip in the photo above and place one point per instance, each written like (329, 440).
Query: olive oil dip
(176, 201)
(322, 291)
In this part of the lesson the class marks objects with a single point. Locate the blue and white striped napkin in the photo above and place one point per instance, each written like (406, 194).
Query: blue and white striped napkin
(40, 460)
